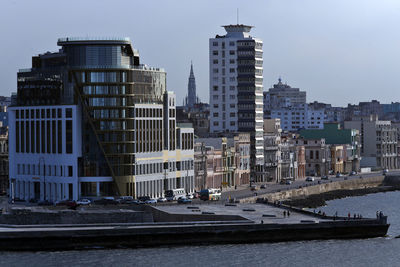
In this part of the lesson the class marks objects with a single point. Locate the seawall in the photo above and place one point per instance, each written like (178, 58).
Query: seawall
(184, 234)
(359, 183)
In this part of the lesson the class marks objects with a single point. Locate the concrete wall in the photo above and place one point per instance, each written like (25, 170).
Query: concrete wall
(27, 217)
(319, 188)
(162, 216)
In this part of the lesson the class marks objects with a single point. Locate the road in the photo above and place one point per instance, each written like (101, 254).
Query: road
(274, 187)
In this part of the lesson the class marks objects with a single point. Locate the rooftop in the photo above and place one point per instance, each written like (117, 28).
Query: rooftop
(83, 40)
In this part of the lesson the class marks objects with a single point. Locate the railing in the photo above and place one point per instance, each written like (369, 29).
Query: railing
(67, 39)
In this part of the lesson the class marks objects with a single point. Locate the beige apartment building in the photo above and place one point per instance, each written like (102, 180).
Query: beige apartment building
(378, 141)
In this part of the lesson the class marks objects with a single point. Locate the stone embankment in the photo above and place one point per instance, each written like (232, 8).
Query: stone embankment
(316, 194)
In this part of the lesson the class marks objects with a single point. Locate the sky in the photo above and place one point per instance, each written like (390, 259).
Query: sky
(339, 51)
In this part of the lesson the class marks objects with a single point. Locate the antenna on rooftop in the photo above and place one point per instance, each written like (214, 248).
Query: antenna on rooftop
(237, 15)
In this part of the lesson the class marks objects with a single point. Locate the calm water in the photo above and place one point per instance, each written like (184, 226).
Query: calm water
(367, 252)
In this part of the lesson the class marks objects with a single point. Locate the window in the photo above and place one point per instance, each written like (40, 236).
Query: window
(231, 88)
(215, 105)
(68, 113)
(215, 61)
(232, 114)
(232, 105)
(215, 53)
(231, 70)
(231, 52)
(215, 70)
(215, 43)
(231, 61)
(69, 171)
(215, 88)
(215, 115)
(216, 123)
(232, 123)
(215, 97)
(231, 43)
(232, 96)
(68, 136)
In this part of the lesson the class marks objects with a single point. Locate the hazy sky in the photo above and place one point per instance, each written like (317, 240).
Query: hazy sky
(339, 51)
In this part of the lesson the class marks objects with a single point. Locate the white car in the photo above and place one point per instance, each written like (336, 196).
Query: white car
(84, 201)
(310, 179)
(151, 201)
(189, 196)
(161, 199)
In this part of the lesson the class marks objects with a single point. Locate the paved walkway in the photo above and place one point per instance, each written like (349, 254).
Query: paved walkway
(253, 212)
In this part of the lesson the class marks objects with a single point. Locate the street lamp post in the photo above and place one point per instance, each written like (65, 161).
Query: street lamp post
(44, 175)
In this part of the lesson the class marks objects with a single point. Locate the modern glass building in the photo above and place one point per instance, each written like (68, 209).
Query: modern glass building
(90, 120)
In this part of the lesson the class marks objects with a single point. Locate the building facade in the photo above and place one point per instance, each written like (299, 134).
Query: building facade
(236, 86)
(222, 162)
(282, 95)
(3, 160)
(90, 120)
(299, 117)
(378, 141)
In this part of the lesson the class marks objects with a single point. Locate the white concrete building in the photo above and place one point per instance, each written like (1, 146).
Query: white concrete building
(299, 117)
(236, 86)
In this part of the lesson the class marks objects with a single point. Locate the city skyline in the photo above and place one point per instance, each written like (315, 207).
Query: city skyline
(326, 49)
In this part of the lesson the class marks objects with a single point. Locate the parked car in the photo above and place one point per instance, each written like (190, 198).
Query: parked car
(263, 186)
(385, 171)
(161, 199)
(189, 196)
(310, 179)
(151, 201)
(143, 199)
(184, 200)
(352, 173)
(106, 201)
(324, 177)
(253, 188)
(125, 199)
(84, 202)
(68, 203)
(288, 182)
(338, 175)
(45, 203)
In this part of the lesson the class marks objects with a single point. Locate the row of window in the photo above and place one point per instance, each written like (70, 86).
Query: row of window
(231, 43)
(232, 114)
(231, 61)
(231, 70)
(45, 170)
(43, 136)
(43, 113)
(231, 52)
(223, 106)
(232, 123)
(152, 168)
(215, 97)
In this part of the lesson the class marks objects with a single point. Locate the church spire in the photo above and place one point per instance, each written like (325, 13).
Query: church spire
(191, 70)
(191, 97)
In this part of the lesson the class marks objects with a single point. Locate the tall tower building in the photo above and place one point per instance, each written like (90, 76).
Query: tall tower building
(191, 97)
(236, 88)
(91, 121)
